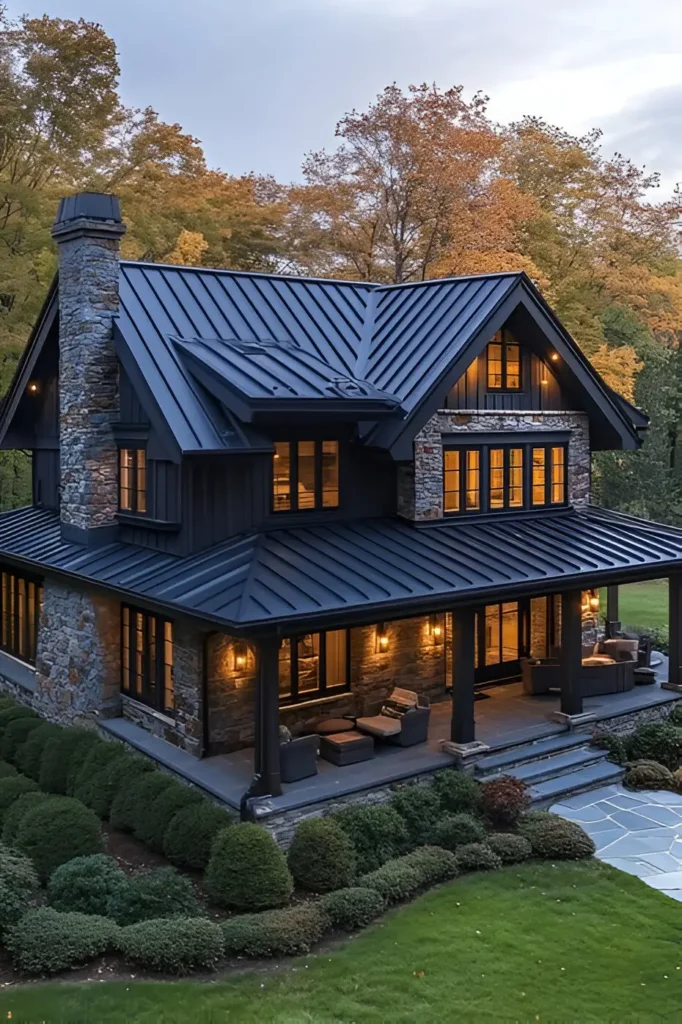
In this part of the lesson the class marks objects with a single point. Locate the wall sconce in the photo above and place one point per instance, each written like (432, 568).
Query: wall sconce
(240, 657)
(594, 601)
(382, 638)
(554, 357)
(436, 628)
(33, 388)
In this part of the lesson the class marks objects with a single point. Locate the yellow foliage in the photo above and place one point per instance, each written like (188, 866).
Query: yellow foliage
(189, 248)
(618, 367)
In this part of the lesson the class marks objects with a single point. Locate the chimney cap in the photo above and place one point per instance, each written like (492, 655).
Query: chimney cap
(88, 213)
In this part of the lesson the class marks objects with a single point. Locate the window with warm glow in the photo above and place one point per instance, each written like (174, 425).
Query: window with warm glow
(503, 477)
(147, 658)
(20, 603)
(558, 476)
(515, 478)
(451, 480)
(320, 666)
(503, 357)
(132, 480)
(305, 475)
(473, 480)
(539, 476)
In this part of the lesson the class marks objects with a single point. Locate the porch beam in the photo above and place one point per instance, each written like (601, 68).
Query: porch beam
(462, 728)
(675, 630)
(571, 653)
(612, 615)
(266, 752)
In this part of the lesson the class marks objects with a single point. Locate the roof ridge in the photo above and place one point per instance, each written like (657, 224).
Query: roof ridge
(147, 264)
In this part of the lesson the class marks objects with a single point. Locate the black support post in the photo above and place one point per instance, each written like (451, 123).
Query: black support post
(675, 629)
(571, 652)
(462, 728)
(612, 615)
(266, 754)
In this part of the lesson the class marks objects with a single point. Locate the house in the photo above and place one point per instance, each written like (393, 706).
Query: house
(260, 499)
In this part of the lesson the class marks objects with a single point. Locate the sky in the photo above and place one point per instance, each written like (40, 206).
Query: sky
(262, 82)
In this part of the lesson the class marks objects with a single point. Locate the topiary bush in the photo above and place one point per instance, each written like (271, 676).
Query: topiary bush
(289, 932)
(352, 908)
(554, 838)
(675, 716)
(321, 856)
(31, 753)
(86, 884)
(172, 945)
(378, 834)
(477, 857)
(509, 847)
(161, 892)
(46, 941)
(61, 754)
(247, 870)
(419, 807)
(190, 833)
(132, 802)
(7, 771)
(58, 830)
(118, 775)
(15, 735)
(18, 811)
(401, 878)
(151, 829)
(648, 775)
(455, 830)
(13, 712)
(11, 788)
(503, 800)
(82, 782)
(457, 791)
(658, 741)
(18, 887)
(612, 742)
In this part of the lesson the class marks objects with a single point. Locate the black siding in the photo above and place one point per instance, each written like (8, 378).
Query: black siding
(470, 392)
(131, 410)
(46, 478)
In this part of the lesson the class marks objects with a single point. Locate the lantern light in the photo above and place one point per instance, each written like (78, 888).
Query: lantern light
(382, 638)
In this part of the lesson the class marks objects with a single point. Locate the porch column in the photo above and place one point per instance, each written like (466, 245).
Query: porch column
(612, 615)
(266, 753)
(675, 629)
(571, 653)
(462, 728)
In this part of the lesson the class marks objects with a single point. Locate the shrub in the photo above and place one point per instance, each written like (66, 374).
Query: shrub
(132, 802)
(18, 887)
(189, 836)
(7, 771)
(289, 932)
(401, 878)
(457, 791)
(675, 716)
(161, 892)
(247, 870)
(455, 830)
(173, 798)
(31, 753)
(15, 735)
(419, 807)
(555, 838)
(7, 702)
(11, 788)
(612, 742)
(377, 833)
(173, 946)
(58, 830)
(46, 941)
(18, 811)
(352, 908)
(13, 712)
(648, 775)
(117, 775)
(503, 800)
(509, 847)
(82, 779)
(61, 753)
(477, 857)
(86, 884)
(658, 741)
(322, 856)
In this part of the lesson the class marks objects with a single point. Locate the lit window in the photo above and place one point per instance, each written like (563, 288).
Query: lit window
(473, 479)
(147, 658)
(20, 604)
(515, 491)
(539, 496)
(321, 666)
(495, 373)
(558, 475)
(132, 482)
(451, 481)
(305, 475)
(497, 477)
(503, 364)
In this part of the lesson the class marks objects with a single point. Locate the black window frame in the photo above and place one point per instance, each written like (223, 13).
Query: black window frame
(507, 445)
(310, 696)
(135, 489)
(19, 622)
(149, 689)
(505, 342)
(318, 505)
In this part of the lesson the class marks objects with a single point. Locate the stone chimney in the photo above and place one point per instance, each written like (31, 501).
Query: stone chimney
(88, 231)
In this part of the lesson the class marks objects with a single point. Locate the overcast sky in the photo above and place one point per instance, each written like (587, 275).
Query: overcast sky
(261, 82)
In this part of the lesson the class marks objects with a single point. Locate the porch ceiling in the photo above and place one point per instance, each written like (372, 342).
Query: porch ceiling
(348, 572)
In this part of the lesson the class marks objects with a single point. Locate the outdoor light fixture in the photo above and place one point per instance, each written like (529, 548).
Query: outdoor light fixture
(554, 356)
(436, 629)
(594, 602)
(240, 657)
(33, 388)
(382, 638)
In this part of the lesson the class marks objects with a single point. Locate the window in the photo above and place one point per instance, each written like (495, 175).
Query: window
(539, 476)
(558, 475)
(147, 658)
(20, 603)
(320, 667)
(503, 477)
(451, 480)
(473, 480)
(132, 480)
(504, 364)
(305, 475)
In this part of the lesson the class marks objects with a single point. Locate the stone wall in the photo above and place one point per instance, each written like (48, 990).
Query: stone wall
(424, 500)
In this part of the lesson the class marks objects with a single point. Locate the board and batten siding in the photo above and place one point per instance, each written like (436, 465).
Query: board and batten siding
(540, 389)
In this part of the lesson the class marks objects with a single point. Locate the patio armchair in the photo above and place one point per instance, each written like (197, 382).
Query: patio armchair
(298, 757)
(403, 719)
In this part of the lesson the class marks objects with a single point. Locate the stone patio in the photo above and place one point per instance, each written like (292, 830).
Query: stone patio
(638, 832)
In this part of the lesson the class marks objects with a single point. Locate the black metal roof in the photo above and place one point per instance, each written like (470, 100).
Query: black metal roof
(347, 572)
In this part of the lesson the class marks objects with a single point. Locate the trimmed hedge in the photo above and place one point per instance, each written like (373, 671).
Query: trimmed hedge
(419, 807)
(15, 735)
(13, 712)
(159, 815)
(321, 856)
(158, 893)
(7, 771)
(132, 802)
(455, 830)
(352, 908)
(247, 870)
(83, 780)
(173, 946)
(509, 847)
(477, 857)
(648, 775)
(555, 838)
(62, 752)
(401, 878)
(57, 830)
(289, 932)
(457, 791)
(46, 941)
(11, 788)
(378, 834)
(611, 741)
(189, 836)
(118, 775)
(503, 800)
(18, 887)
(86, 884)
(31, 753)
(18, 811)
(658, 741)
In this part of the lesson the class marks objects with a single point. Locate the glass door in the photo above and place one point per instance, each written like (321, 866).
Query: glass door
(500, 640)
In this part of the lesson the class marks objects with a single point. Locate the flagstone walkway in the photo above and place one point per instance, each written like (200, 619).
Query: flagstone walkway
(638, 832)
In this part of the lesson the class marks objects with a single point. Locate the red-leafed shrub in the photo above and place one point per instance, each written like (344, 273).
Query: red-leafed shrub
(504, 800)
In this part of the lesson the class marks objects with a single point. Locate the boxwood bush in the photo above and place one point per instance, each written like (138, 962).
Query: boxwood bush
(419, 807)
(321, 856)
(611, 741)
(457, 791)
(18, 811)
(19, 886)
(555, 838)
(247, 870)
(401, 878)
(13, 712)
(58, 830)
(658, 741)
(46, 941)
(86, 884)
(648, 775)
(455, 830)
(173, 798)
(378, 834)
(63, 752)
(161, 892)
(83, 781)
(7, 770)
(190, 833)
(477, 857)
(289, 932)
(509, 847)
(352, 908)
(172, 945)
(119, 774)
(11, 788)
(31, 753)
(15, 735)
(132, 802)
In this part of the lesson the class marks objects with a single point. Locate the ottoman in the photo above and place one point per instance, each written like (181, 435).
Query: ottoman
(326, 726)
(342, 748)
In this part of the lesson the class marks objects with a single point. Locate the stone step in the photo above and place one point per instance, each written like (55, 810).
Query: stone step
(557, 764)
(601, 773)
(498, 763)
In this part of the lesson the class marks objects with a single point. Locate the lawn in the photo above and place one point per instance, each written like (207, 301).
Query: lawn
(641, 604)
(565, 943)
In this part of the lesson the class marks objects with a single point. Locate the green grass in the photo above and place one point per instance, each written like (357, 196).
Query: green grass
(641, 604)
(565, 943)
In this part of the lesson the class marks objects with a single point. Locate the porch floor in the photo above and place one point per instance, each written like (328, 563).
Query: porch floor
(506, 718)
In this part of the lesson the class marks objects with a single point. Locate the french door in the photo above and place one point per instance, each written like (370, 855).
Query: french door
(501, 639)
